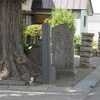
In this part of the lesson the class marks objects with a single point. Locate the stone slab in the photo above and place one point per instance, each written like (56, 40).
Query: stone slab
(88, 34)
(12, 82)
(85, 54)
(25, 88)
(67, 73)
(35, 55)
(87, 44)
(85, 49)
(25, 77)
(85, 59)
(11, 78)
(98, 47)
(88, 39)
(39, 79)
(84, 65)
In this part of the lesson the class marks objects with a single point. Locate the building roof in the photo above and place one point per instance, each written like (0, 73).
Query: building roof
(68, 4)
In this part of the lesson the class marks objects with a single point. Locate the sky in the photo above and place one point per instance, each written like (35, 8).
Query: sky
(96, 6)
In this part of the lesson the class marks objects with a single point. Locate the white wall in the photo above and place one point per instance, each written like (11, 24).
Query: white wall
(84, 28)
(80, 28)
(27, 5)
(78, 25)
(94, 25)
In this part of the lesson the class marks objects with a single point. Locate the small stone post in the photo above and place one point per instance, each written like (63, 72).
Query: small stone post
(86, 50)
(48, 71)
(98, 44)
(46, 53)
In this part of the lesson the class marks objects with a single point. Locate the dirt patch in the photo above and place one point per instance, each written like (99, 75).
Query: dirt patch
(70, 82)
(81, 72)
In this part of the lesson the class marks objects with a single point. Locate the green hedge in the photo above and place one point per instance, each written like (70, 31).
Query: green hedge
(34, 30)
(29, 36)
(62, 16)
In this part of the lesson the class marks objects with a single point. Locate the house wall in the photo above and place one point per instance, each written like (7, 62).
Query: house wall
(81, 22)
(27, 5)
(78, 23)
(94, 25)
(84, 21)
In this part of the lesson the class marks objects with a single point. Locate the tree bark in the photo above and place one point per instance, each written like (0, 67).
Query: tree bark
(13, 61)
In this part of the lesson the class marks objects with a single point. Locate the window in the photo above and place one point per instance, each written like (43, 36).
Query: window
(84, 21)
(27, 19)
(41, 17)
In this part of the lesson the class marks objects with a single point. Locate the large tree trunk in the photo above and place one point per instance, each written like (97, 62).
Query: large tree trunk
(13, 61)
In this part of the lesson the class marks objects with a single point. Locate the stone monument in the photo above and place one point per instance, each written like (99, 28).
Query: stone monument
(62, 50)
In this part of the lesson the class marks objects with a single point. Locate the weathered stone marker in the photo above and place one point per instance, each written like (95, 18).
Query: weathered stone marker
(86, 50)
(46, 55)
(62, 50)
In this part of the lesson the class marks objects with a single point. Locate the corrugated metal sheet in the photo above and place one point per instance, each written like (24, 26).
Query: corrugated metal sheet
(77, 4)
(70, 4)
(83, 4)
(64, 4)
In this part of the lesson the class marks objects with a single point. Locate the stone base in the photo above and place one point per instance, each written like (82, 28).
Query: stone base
(84, 65)
(39, 79)
(67, 73)
(53, 75)
(85, 59)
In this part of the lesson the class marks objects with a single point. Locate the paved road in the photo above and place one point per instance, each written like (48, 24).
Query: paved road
(95, 93)
(22, 95)
(64, 95)
(58, 93)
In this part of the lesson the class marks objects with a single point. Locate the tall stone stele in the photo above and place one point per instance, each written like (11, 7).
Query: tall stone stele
(86, 50)
(62, 50)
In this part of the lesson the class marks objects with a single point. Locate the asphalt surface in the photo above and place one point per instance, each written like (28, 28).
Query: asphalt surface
(86, 89)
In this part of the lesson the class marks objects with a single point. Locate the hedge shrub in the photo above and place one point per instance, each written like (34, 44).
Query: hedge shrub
(62, 16)
(34, 30)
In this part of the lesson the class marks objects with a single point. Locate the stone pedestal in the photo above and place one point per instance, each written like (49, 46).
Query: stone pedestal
(86, 50)
(62, 50)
